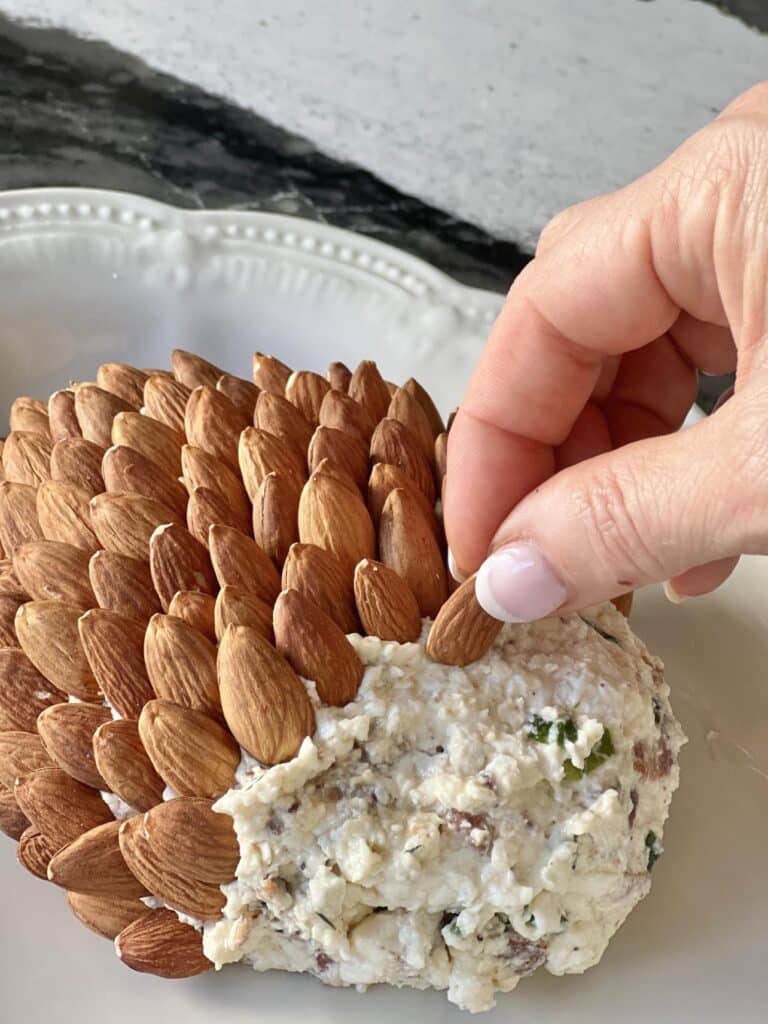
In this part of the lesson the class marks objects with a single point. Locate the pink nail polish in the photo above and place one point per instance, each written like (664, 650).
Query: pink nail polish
(518, 584)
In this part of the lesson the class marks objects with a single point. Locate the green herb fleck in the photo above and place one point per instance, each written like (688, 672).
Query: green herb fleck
(530, 921)
(539, 728)
(599, 754)
(566, 731)
(598, 629)
(571, 772)
(656, 703)
(653, 847)
(455, 930)
(413, 849)
(324, 918)
(503, 918)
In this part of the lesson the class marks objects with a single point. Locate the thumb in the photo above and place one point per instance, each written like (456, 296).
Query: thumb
(644, 513)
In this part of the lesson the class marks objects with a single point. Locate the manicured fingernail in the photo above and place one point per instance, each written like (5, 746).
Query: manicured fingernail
(674, 595)
(517, 584)
(453, 569)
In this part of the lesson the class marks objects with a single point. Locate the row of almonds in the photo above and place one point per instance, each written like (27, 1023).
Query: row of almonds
(185, 546)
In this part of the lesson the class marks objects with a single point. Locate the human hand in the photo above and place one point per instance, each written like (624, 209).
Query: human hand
(563, 460)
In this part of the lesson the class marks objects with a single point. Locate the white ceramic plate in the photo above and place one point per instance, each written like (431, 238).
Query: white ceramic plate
(86, 276)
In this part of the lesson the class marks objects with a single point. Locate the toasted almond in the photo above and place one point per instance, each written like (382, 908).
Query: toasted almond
(20, 753)
(59, 806)
(27, 457)
(77, 461)
(407, 545)
(306, 391)
(369, 390)
(95, 409)
(159, 943)
(62, 416)
(383, 480)
(214, 424)
(34, 852)
(8, 607)
(48, 635)
(316, 648)
(407, 410)
(206, 509)
(114, 647)
(93, 865)
(165, 400)
(124, 523)
(156, 441)
(24, 693)
(269, 373)
(160, 875)
(424, 399)
(200, 469)
(395, 444)
(30, 414)
(122, 760)
(322, 579)
(181, 664)
(199, 842)
(343, 413)
(623, 603)
(338, 376)
(462, 631)
(50, 570)
(63, 511)
(385, 604)
(67, 733)
(196, 609)
(122, 584)
(18, 516)
(124, 381)
(260, 453)
(104, 915)
(441, 456)
(236, 606)
(241, 393)
(9, 581)
(281, 418)
(341, 449)
(13, 821)
(239, 561)
(191, 752)
(177, 562)
(265, 703)
(193, 370)
(334, 517)
(125, 469)
(276, 516)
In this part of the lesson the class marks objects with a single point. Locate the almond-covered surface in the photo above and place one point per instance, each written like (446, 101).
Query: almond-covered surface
(221, 597)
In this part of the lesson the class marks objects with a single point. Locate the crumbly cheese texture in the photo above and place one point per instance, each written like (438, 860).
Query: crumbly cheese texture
(457, 828)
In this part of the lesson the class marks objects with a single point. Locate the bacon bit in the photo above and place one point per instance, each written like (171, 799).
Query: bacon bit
(274, 824)
(525, 955)
(323, 961)
(331, 793)
(653, 764)
(634, 797)
(464, 824)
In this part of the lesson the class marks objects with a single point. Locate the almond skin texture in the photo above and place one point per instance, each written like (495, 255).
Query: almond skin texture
(383, 480)
(282, 419)
(59, 806)
(27, 457)
(104, 915)
(165, 400)
(124, 523)
(30, 414)
(265, 703)
(51, 571)
(158, 943)
(395, 444)
(197, 610)
(191, 752)
(341, 412)
(236, 606)
(206, 509)
(9, 581)
(276, 516)
(124, 585)
(260, 453)
(154, 440)
(316, 648)
(125, 469)
(406, 409)
(124, 381)
(462, 631)
(48, 635)
(238, 561)
(24, 693)
(338, 376)
(335, 518)
(93, 865)
(178, 561)
(306, 390)
(181, 664)
(193, 370)
(344, 450)
(623, 603)
(424, 399)
(241, 393)
(13, 821)
(122, 760)
(67, 733)
(63, 511)
(95, 409)
(34, 852)
(323, 580)
(270, 374)
(407, 545)
(214, 424)
(21, 753)
(77, 461)
(369, 390)
(385, 604)
(8, 608)
(18, 516)
(198, 841)
(201, 469)
(62, 418)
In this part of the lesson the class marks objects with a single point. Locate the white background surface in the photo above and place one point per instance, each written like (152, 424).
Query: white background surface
(501, 111)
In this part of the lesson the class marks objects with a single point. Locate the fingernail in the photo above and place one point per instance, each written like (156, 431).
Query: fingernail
(453, 569)
(517, 584)
(674, 595)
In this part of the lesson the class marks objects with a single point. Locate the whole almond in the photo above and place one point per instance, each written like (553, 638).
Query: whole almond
(238, 561)
(236, 606)
(343, 413)
(156, 441)
(265, 703)
(27, 457)
(107, 916)
(21, 753)
(50, 570)
(270, 374)
(213, 423)
(383, 480)
(441, 456)
(316, 648)
(124, 381)
(322, 579)
(125, 469)
(62, 416)
(181, 663)
(124, 523)
(344, 450)
(59, 806)
(338, 376)
(424, 399)
(197, 610)
(95, 409)
(395, 444)
(177, 562)
(200, 469)
(369, 390)
(67, 733)
(48, 635)
(276, 516)
(18, 516)
(93, 865)
(200, 842)
(165, 400)
(407, 410)
(191, 752)
(306, 390)
(193, 370)
(462, 631)
(77, 461)
(260, 453)
(407, 545)
(24, 693)
(8, 608)
(30, 414)
(385, 604)
(281, 418)
(159, 943)
(241, 393)
(122, 760)
(335, 518)
(13, 821)
(63, 511)
(34, 852)
(206, 509)
(123, 584)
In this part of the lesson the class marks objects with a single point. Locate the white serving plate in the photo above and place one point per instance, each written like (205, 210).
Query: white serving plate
(88, 276)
